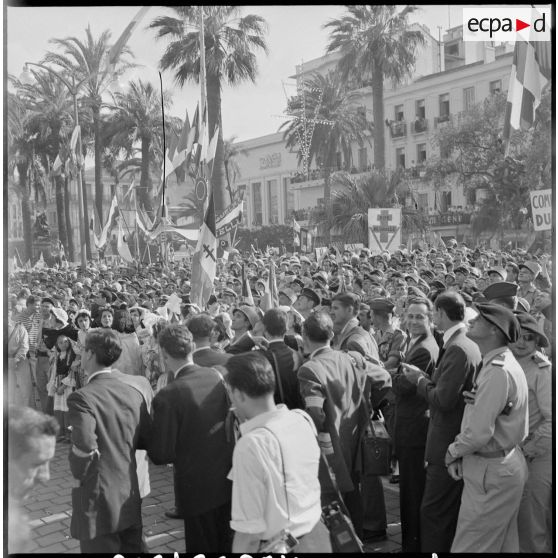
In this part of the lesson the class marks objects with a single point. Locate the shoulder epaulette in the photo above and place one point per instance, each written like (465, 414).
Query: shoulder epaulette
(541, 360)
(498, 362)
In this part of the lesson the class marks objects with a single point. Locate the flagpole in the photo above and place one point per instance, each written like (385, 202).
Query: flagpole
(136, 225)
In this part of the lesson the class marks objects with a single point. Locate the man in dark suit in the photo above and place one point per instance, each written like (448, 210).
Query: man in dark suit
(189, 416)
(349, 336)
(411, 419)
(332, 394)
(201, 327)
(283, 359)
(458, 360)
(109, 421)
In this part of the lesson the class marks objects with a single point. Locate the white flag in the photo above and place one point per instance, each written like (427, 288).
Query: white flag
(122, 245)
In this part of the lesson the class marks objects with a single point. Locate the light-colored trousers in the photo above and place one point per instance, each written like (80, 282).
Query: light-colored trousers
(492, 492)
(535, 511)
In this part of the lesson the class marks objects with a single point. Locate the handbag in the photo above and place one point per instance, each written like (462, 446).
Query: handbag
(376, 448)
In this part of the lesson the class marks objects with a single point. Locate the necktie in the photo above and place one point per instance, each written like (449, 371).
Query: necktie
(440, 355)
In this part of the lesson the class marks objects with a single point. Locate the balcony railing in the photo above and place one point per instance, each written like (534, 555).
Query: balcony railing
(317, 174)
(419, 125)
(441, 120)
(398, 129)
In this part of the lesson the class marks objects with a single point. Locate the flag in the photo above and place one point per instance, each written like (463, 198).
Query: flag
(212, 147)
(193, 133)
(182, 145)
(40, 264)
(93, 232)
(531, 70)
(106, 229)
(116, 50)
(296, 233)
(204, 260)
(246, 290)
(74, 138)
(273, 291)
(57, 163)
(122, 245)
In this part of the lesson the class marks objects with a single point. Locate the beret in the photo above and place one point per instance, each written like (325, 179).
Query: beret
(532, 266)
(381, 305)
(503, 318)
(529, 323)
(500, 289)
(499, 271)
(310, 294)
(250, 314)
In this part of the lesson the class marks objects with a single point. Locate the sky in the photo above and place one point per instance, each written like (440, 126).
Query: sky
(295, 34)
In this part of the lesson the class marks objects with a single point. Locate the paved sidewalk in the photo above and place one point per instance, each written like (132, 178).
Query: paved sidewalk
(50, 509)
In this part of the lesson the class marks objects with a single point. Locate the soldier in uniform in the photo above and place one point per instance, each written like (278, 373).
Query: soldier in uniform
(503, 293)
(485, 454)
(535, 511)
(528, 272)
(390, 339)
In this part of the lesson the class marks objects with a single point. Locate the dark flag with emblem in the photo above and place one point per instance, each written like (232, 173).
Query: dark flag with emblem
(205, 259)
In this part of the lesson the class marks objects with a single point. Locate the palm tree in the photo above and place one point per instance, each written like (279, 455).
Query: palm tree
(232, 169)
(375, 42)
(50, 115)
(351, 198)
(230, 42)
(192, 207)
(327, 99)
(85, 61)
(136, 117)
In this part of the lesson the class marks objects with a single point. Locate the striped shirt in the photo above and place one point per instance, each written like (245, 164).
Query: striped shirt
(31, 322)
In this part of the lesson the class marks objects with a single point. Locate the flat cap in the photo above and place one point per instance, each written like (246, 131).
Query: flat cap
(500, 289)
(529, 323)
(382, 305)
(532, 266)
(503, 318)
(311, 294)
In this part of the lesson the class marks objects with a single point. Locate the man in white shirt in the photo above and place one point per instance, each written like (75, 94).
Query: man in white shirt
(275, 464)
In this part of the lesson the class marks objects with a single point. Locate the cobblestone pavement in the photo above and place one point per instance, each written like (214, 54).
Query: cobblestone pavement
(49, 508)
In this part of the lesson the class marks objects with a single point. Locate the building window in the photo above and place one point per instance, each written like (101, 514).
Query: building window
(362, 159)
(495, 86)
(468, 98)
(400, 158)
(421, 153)
(289, 199)
(452, 50)
(420, 109)
(399, 114)
(444, 106)
(273, 198)
(257, 197)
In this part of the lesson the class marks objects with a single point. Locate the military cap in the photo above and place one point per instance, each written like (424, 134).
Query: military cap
(415, 291)
(503, 318)
(499, 271)
(298, 282)
(311, 294)
(500, 289)
(532, 266)
(529, 323)
(522, 304)
(382, 305)
(461, 269)
(438, 285)
(229, 292)
(476, 272)
(428, 275)
(48, 299)
(289, 293)
(250, 314)
(321, 275)
(378, 272)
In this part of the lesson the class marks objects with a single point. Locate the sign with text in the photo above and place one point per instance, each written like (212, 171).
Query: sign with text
(270, 161)
(384, 229)
(541, 208)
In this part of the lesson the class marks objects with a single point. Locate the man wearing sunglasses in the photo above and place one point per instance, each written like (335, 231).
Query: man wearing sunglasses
(535, 511)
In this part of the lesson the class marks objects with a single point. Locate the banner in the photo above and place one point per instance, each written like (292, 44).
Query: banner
(230, 218)
(384, 229)
(541, 208)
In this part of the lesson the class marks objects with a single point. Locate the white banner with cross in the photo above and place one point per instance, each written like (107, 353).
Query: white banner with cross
(384, 229)
(541, 209)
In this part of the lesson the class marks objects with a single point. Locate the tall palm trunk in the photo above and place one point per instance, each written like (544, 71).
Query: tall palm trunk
(71, 226)
(218, 176)
(98, 160)
(25, 212)
(327, 202)
(145, 178)
(62, 230)
(379, 126)
(87, 213)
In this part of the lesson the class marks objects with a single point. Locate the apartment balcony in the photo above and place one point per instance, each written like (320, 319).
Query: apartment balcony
(441, 121)
(398, 129)
(419, 126)
(316, 176)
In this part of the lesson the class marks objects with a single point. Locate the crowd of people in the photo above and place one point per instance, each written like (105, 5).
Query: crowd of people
(260, 399)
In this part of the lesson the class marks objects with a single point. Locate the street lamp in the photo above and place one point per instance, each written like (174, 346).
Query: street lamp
(27, 78)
